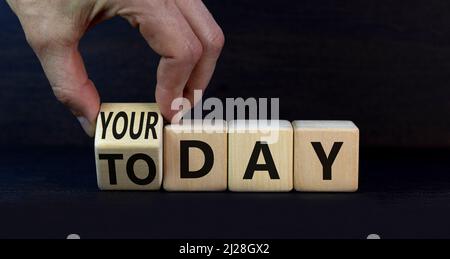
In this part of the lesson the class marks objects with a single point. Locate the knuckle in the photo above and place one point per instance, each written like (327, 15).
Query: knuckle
(215, 42)
(63, 95)
(191, 52)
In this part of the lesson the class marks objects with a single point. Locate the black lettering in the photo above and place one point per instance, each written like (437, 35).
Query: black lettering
(111, 165)
(327, 162)
(105, 122)
(116, 134)
(141, 123)
(151, 124)
(253, 165)
(185, 145)
(151, 169)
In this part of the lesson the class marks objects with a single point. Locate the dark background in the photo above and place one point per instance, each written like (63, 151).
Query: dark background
(383, 64)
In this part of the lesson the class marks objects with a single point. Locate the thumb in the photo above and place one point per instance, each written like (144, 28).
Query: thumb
(65, 70)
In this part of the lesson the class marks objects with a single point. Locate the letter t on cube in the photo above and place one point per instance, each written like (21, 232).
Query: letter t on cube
(326, 156)
(128, 146)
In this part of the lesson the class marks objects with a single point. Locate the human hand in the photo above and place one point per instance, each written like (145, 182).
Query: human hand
(182, 32)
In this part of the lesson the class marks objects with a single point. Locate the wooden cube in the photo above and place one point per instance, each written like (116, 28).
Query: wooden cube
(195, 156)
(260, 156)
(128, 146)
(326, 155)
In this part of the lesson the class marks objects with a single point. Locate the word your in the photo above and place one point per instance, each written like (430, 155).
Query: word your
(127, 124)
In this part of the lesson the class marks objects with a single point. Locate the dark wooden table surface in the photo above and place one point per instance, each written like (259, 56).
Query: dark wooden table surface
(50, 193)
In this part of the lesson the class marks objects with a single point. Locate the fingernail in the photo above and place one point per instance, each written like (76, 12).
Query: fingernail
(87, 126)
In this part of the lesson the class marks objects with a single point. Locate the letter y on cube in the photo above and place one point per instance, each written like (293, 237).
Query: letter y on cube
(326, 155)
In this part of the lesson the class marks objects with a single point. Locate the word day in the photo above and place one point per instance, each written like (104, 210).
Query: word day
(135, 151)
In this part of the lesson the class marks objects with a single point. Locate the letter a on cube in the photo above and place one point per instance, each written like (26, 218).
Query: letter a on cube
(326, 155)
(128, 146)
(260, 156)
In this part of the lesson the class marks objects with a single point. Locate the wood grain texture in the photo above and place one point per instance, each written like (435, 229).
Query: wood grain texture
(215, 136)
(128, 146)
(242, 138)
(308, 169)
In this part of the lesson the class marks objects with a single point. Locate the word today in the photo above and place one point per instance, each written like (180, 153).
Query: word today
(135, 151)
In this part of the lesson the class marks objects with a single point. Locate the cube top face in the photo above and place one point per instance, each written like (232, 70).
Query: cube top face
(260, 126)
(128, 146)
(324, 125)
(198, 126)
(326, 156)
(124, 124)
(260, 156)
(195, 156)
